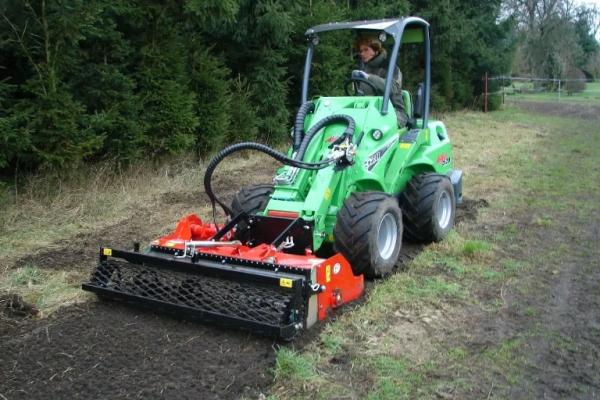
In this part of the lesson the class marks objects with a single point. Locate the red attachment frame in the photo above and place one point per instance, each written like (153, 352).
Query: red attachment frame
(190, 228)
(341, 286)
(333, 274)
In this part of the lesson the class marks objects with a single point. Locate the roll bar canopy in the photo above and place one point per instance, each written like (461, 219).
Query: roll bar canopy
(400, 31)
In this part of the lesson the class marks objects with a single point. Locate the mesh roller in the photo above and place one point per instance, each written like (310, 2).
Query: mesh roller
(245, 300)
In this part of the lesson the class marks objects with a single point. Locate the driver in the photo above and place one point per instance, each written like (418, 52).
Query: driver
(373, 56)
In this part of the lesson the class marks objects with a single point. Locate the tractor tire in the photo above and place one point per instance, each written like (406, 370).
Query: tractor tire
(368, 232)
(428, 206)
(251, 199)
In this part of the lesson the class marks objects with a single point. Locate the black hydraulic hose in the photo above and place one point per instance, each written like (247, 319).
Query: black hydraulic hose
(305, 109)
(320, 125)
(251, 146)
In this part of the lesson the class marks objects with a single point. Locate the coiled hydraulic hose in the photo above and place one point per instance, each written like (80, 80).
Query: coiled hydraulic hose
(305, 109)
(320, 125)
(251, 146)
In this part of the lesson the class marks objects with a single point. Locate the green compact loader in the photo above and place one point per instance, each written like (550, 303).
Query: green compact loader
(352, 186)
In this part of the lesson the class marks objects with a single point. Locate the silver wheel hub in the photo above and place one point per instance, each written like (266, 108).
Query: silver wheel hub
(444, 210)
(388, 236)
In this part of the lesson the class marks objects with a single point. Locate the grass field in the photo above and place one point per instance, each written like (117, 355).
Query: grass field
(524, 91)
(508, 307)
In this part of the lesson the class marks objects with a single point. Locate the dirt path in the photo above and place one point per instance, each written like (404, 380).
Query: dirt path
(551, 315)
(568, 351)
(566, 347)
(565, 110)
(110, 351)
(563, 328)
(106, 350)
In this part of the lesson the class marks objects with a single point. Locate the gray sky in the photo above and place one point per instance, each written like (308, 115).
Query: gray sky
(590, 2)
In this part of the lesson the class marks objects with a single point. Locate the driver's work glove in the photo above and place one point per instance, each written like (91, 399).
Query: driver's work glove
(360, 74)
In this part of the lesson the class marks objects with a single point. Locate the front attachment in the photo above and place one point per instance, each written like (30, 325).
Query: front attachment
(264, 287)
(215, 289)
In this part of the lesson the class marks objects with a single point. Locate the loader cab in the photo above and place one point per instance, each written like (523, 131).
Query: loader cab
(406, 41)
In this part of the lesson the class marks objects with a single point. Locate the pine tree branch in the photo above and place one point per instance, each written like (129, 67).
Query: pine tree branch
(25, 49)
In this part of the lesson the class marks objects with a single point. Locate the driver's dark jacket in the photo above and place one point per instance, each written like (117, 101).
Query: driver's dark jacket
(377, 70)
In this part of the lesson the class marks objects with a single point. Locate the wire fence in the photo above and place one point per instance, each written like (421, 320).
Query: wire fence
(539, 85)
(549, 88)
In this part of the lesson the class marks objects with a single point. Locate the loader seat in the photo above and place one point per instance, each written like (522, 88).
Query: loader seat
(407, 97)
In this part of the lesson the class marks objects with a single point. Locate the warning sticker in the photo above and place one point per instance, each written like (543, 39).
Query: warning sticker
(283, 282)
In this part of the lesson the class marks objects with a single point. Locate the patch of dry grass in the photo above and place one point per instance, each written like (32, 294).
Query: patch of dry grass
(46, 290)
(51, 208)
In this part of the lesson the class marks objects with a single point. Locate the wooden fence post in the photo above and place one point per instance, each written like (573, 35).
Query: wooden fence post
(485, 78)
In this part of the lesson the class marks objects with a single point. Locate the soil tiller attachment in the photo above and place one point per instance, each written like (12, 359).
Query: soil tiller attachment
(352, 186)
(259, 288)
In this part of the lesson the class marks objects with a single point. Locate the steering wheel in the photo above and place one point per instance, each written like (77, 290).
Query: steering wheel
(356, 79)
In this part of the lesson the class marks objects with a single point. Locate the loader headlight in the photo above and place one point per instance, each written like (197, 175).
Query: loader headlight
(315, 40)
(377, 134)
(382, 37)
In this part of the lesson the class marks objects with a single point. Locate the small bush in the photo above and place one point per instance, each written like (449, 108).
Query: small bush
(576, 81)
(494, 102)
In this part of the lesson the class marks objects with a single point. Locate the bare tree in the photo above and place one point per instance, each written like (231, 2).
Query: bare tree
(547, 35)
(593, 65)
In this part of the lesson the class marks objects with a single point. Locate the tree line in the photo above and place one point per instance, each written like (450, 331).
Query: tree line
(558, 39)
(86, 80)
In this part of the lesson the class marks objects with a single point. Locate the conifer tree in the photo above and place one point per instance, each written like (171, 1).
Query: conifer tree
(378, 9)
(209, 81)
(91, 78)
(257, 48)
(13, 141)
(468, 38)
(43, 39)
(244, 126)
(103, 80)
(332, 58)
(169, 117)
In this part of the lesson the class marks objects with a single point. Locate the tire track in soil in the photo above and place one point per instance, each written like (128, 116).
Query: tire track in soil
(561, 336)
(567, 350)
(108, 350)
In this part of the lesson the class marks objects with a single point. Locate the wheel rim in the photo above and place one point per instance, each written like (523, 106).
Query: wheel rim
(388, 236)
(444, 210)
